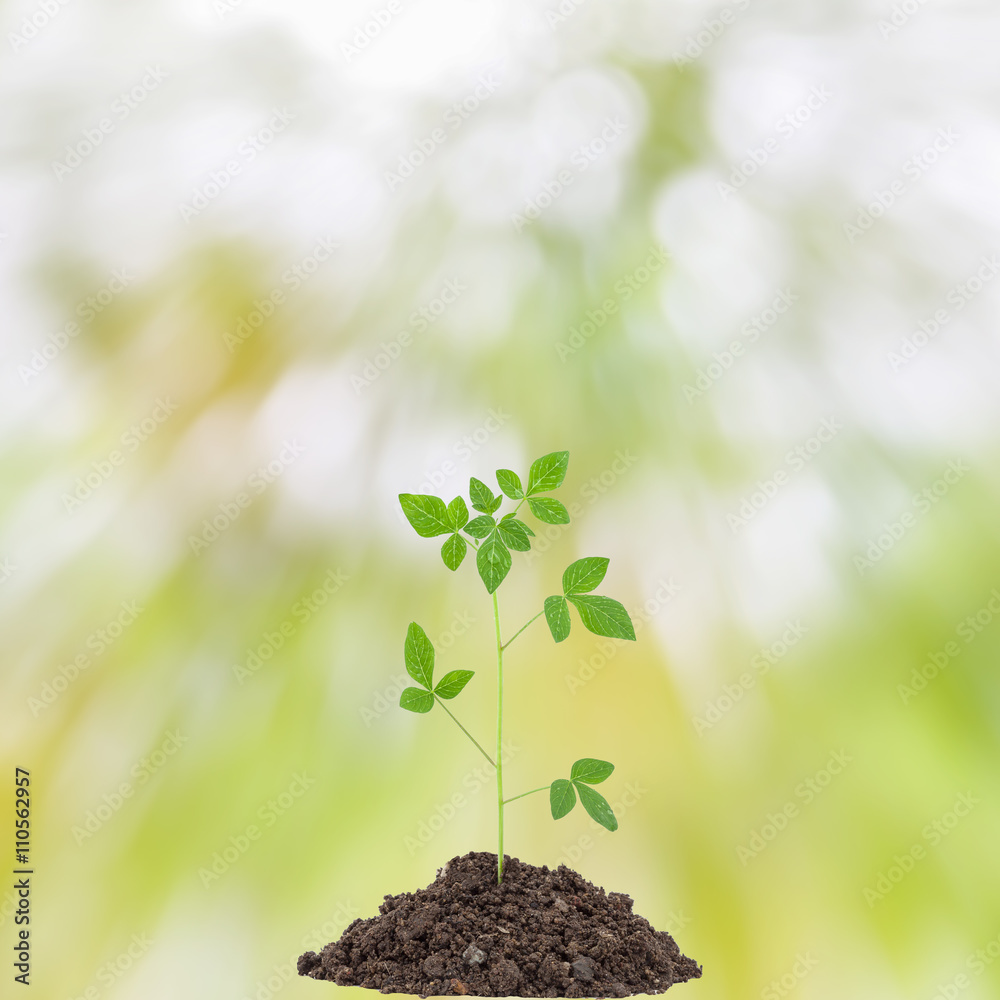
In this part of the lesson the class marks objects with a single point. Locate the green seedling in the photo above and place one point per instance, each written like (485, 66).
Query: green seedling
(493, 539)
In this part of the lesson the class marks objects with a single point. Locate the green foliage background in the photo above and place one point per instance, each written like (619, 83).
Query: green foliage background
(378, 799)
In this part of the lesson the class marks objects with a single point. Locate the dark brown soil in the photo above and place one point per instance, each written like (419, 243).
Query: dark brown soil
(540, 933)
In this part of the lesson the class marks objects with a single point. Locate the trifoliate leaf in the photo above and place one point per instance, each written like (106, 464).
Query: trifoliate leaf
(510, 483)
(591, 770)
(562, 798)
(453, 551)
(427, 514)
(597, 806)
(547, 472)
(493, 561)
(557, 615)
(419, 655)
(584, 575)
(452, 683)
(549, 510)
(416, 700)
(603, 616)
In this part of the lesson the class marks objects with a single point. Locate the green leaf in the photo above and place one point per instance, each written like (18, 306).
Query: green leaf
(584, 575)
(548, 472)
(493, 562)
(514, 535)
(549, 510)
(511, 516)
(591, 770)
(562, 798)
(597, 805)
(416, 700)
(510, 483)
(427, 514)
(480, 527)
(453, 551)
(603, 616)
(557, 615)
(419, 655)
(452, 683)
(458, 514)
(482, 496)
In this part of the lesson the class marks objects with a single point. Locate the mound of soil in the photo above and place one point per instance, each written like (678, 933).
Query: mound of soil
(540, 933)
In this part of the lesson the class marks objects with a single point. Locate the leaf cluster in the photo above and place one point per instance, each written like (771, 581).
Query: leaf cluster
(418, 652)
(493, 539)
(584, 773)
(601, 615)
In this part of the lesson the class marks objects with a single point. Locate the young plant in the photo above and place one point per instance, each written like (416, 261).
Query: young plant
(493, 540)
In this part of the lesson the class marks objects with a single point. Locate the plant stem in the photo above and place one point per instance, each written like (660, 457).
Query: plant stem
(544, 788)
(499, 762)
(466, 731)
(522, 628)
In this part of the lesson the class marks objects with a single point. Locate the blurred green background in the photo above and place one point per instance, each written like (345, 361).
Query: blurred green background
(265, 266)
